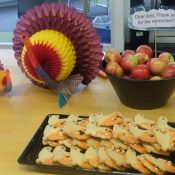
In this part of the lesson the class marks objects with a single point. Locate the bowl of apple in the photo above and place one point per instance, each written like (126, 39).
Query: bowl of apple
(142, 79)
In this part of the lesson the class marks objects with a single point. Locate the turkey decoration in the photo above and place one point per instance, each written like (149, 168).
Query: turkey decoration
(5, 81)
(57, 48)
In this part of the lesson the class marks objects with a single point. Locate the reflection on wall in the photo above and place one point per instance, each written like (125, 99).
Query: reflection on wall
(11, 12)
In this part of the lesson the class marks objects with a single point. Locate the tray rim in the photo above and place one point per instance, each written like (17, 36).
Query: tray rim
(45, 121)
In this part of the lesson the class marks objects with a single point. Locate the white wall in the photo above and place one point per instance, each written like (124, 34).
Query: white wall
(117, 25)
(126, 28)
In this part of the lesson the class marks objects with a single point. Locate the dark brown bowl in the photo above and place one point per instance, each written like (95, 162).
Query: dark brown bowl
(141, 94)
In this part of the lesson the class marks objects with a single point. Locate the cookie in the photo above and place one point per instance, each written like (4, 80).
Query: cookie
(151, 149)
(45, 156)
(123, 134)
(72, 117)
(119, 159)
(98, 131)
(126, 122)
(156, 146)
(75, 131)
(105, 159)
(94, 142)
(68, 142)
(149, 165)
(77, 158)
(108, 120)
(91, 155)
(138, 147)
(165, 140)
(144, 123)
(78, 120)
(92, 118)
(162, 164)
(155, 162)
(106, 143)
(52, 133)
(168, 165)
(52, 143)
(142, 134)
(119, 144)
(131, 159)
(55, 121)
(61, 156)
(80, 143)
(120, 151)
(162, 124)
(119, 131)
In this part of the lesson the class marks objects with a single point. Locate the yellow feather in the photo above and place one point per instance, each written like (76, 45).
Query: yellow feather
(61, 45)
(2, 76)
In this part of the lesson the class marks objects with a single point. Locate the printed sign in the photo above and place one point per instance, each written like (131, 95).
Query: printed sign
(154, 18)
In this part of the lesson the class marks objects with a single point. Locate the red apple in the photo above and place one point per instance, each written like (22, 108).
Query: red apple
(156, 66)
(145, 49)
(140, 72)
(147, 63)
(166, 56)
(112, 55)
(142, 57)
(156, 77)
(169, 71)
(128, 52)
(128, 62)
(114, 68)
